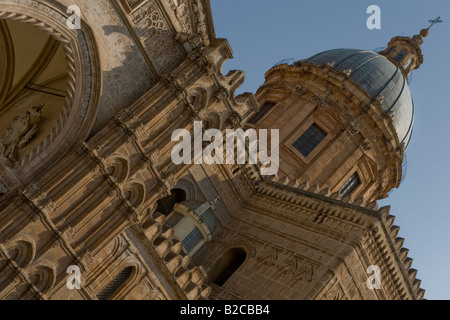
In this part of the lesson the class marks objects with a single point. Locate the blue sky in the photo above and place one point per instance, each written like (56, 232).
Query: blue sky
(265, 32)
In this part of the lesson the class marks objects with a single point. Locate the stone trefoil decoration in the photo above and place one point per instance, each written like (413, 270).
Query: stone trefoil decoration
(19, 133)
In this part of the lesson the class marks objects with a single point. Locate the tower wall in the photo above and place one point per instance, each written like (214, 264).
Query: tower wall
(359, 137)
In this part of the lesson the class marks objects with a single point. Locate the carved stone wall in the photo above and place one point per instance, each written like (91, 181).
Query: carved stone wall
(302, 242)
(94, 206)
(155, 33)
(102, 195)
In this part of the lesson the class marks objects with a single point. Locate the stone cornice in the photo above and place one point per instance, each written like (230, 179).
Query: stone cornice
(347, 213)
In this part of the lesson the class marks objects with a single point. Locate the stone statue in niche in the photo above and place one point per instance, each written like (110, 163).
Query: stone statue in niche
(19, 133)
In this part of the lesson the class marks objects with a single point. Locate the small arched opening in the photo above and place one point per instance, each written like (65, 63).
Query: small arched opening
(226, 266)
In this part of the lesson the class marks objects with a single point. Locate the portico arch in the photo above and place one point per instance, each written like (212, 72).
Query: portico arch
(73, 117)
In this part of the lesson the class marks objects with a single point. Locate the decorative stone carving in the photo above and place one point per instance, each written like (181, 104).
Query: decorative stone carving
(222, 94)
(193, 39)
(162, 191)
(181, 10)
(20, 131)
(155, 295)
(294, 267)
(301, 90)
(55, 244)
(352, 129)
(7, 176)
(418, 39)
(235, 120)
(200, 18)
(318, 99)
(69, 232)
(154, 31)
(365, 145)
(169, 181)
(88, 256)
(194, 55)
(78, 112)
(155, 157)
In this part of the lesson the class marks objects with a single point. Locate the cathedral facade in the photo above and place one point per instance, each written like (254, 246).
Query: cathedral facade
(88, 183)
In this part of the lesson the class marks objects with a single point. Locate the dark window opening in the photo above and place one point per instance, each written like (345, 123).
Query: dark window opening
(400, 56)
(114, 286)
(309, 140)
(350, 185)
(226, 266)
(264, 110)
(165, 205)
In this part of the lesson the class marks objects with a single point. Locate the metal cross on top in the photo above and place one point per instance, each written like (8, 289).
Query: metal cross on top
(433, 22)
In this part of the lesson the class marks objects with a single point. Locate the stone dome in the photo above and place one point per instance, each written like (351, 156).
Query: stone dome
(205, 211)
(380, 78)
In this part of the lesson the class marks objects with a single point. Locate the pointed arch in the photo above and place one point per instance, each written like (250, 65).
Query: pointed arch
(22, 252)
(199, 98)
(43, 278)
(118, 168)
(268, 258)
(286, 268)
(304, 274)
(135, 194)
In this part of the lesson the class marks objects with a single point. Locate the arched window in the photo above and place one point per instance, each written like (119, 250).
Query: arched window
(165, 205)
(114, 286)
(226, 266)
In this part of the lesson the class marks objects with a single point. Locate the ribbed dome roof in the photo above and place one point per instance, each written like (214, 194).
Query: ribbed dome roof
(208, 216)
(378, 77)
